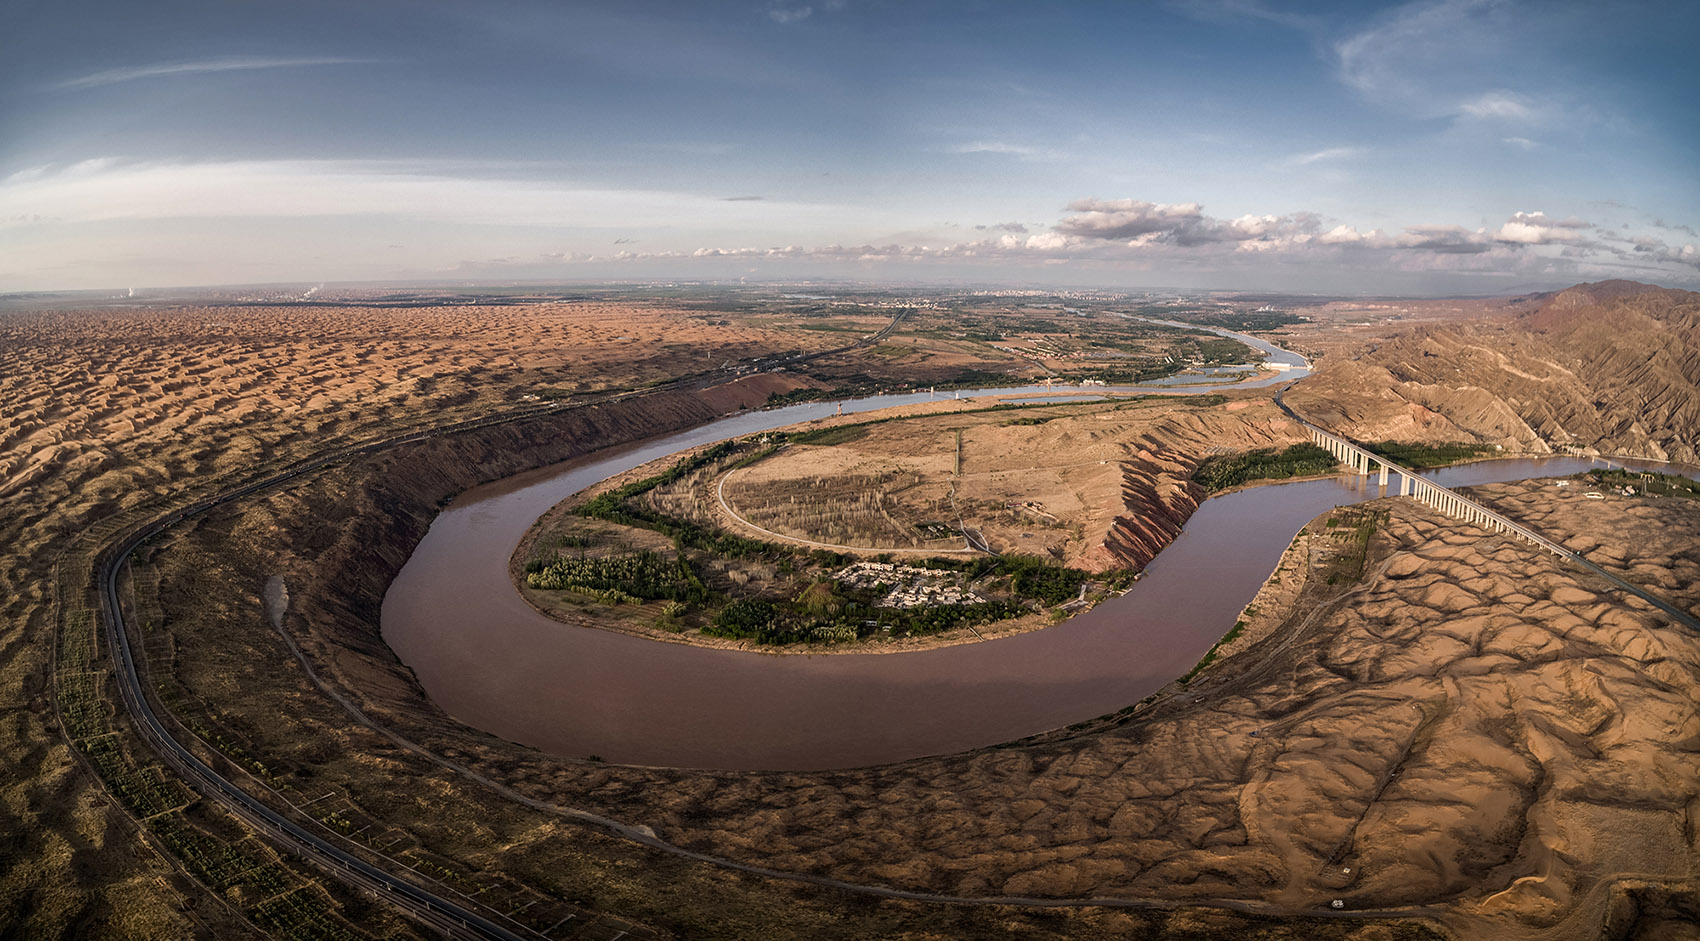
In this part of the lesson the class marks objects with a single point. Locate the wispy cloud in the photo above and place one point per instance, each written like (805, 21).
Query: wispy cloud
(782, 12)
(1228, 11)
(448, 192)
(1499, 104)
(1439, 58)
(1326, 154)
(196, 67)
(1007, 149)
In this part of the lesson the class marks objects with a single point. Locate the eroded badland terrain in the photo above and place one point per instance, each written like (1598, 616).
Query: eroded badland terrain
(1450, 732)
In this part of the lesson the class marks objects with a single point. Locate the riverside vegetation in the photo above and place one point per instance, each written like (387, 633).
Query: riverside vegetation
(700, 577)
(1231, 470)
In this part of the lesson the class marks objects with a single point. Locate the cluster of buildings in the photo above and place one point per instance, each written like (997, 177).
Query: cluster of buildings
(907, 586)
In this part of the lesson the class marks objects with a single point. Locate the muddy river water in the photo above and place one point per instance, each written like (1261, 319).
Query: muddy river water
(491, 661)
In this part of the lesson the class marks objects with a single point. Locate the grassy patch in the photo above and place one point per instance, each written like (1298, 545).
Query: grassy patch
(826, 437)
(1417, 456)
(1231, 470)
(1349, 532)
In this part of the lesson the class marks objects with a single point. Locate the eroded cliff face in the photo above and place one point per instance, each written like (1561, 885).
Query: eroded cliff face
(1158, 494)
(1612, 368)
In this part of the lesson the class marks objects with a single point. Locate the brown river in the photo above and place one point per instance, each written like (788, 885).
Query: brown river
(491, 661)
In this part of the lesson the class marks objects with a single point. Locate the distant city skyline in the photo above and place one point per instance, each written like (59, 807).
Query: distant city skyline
(1437, 146)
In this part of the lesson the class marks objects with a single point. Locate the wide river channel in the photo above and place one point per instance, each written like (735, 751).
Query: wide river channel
(490, 660)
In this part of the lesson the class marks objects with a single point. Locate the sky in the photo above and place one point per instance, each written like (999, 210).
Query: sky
(1428, 147)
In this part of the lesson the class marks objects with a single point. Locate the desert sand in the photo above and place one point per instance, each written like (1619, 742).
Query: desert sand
(1471, 734)
(1490, 743)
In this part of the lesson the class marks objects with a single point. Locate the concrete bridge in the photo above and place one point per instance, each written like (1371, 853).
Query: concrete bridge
(1463, 508)
(1446, 501)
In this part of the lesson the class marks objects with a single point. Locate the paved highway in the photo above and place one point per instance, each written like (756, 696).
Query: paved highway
(422, 904)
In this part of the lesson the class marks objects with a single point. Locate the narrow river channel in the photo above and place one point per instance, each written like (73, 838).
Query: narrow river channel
(490, 660)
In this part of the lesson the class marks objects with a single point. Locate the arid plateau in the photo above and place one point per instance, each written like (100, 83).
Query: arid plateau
(1415, 723)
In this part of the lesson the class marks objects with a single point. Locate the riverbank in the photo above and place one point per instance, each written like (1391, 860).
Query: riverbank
(1256, 748)
(1095, 485)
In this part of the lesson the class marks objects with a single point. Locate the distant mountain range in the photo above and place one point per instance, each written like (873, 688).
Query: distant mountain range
(1611, 367)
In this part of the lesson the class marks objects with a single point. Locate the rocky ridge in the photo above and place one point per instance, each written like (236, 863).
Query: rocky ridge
(1608, 368)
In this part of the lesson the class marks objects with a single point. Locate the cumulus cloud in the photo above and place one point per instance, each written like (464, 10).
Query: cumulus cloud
(1658, 250)
(1129, 218)
(196, 67)
(1344, 234)
(438, 201)
(1444, 240)
(1183, 224)
(1534, 228)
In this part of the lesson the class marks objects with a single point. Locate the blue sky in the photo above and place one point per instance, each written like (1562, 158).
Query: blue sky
(1427, 147)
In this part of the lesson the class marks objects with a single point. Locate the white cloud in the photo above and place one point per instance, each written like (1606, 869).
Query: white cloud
(1022, 151)
(1343, 234)
(261, 220)
(197, 67)
(1499, 105)
(1185, 224)
(1049, 242)
(1657, 250)
(110, 190)
(1534, 228)
(782, 12)
(1395, 60)
(1329, 153)
(1444, 240)
(1444, 59)
(1128, 218)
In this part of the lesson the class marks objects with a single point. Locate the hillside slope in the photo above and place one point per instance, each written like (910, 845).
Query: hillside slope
(1612, 368)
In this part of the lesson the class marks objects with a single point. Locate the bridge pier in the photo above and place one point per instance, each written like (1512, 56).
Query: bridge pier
(1434, 495)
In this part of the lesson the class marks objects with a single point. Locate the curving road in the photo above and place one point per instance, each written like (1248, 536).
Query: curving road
(420, 903)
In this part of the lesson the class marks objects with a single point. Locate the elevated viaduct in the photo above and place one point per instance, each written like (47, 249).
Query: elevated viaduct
(1460, 507)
